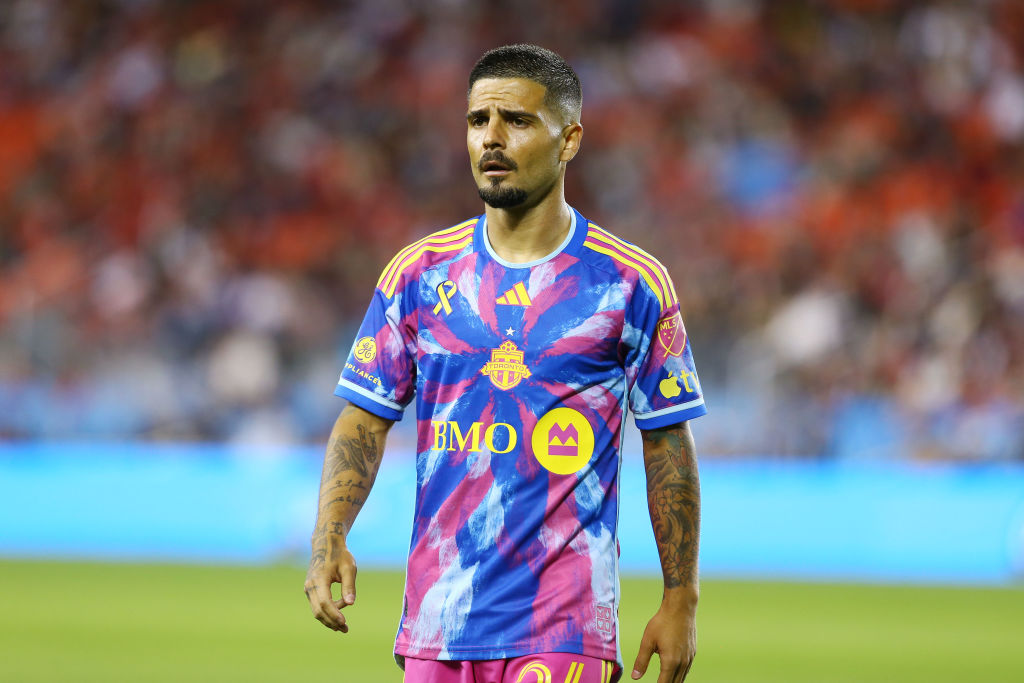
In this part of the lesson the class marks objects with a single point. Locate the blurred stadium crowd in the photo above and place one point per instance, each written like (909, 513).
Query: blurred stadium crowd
(196, 199)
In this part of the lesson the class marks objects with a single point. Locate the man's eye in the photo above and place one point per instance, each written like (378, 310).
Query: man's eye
(518, 121)
(478, 121)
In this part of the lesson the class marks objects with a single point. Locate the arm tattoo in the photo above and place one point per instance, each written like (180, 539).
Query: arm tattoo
(350, 466)
(345, 453)
(673, 496)
(320, 544)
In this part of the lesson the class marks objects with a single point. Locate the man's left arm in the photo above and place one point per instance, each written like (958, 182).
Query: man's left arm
(673, 497)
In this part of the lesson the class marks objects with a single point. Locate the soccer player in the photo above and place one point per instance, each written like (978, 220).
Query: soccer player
(522, 334)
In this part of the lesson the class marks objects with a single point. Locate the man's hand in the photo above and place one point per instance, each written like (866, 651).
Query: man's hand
(350, 466)
(326, 569)
(672, 633)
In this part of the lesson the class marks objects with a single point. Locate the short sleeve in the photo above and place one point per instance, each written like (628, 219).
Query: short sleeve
(380, 372)
(664, 388)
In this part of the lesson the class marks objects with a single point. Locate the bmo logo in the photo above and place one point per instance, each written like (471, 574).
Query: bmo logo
(500, 437)
(563, 441)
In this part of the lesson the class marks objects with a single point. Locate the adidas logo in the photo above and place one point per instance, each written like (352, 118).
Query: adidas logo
(517, 296)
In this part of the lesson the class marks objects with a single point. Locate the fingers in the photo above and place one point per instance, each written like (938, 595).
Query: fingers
(348, 583)
(324, 608)
(643, 658)
(674, 670)
(319, 580)
(671, 672)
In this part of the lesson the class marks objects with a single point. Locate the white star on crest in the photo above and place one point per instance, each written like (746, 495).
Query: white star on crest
(510, 331)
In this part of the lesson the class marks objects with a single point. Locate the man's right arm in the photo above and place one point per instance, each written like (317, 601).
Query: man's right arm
(350, 467)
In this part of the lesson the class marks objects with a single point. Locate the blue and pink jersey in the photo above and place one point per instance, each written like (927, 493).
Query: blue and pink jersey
(522, 374)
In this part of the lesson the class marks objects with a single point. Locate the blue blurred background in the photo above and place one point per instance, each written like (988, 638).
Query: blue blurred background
(196, 199)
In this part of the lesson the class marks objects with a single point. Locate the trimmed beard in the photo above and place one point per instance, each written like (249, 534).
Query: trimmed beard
(502, 197)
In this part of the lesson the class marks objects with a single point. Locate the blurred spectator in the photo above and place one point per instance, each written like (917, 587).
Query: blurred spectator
(195, 196)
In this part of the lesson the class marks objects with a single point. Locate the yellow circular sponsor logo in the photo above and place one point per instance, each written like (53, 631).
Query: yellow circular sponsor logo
(563, 441)
(366, 350)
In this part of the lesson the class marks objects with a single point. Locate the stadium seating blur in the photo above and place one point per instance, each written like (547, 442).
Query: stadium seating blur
(196, 200)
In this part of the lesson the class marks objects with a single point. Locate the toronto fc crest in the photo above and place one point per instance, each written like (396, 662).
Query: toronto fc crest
(506, 368)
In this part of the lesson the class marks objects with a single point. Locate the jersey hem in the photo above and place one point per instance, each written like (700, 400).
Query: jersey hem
(475, 654)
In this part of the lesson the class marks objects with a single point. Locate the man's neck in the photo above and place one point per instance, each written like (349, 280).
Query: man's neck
(526, 235)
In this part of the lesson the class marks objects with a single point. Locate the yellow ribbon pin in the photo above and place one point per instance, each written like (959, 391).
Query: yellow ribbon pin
(446, 290)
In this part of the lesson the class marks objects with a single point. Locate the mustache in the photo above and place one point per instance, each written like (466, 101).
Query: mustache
(496, 156)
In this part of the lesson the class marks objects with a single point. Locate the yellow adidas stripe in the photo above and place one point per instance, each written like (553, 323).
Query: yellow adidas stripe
(454, 242)
(458, 246)
(598, 233)
(446, 235)
(643, 273)
(640, 255)
(517, 296)
(524, 296)
(402, 253)
(397, 263)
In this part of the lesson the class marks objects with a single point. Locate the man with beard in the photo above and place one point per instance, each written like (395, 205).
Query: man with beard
(522, 333)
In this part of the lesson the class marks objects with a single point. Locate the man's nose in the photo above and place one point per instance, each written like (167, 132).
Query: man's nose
(494, 137)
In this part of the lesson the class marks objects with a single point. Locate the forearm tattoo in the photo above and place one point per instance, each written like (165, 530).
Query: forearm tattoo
(350, 466)
(673, 496)
(345, 453)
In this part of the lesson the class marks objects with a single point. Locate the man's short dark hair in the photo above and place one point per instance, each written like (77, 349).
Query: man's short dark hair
(562, 86)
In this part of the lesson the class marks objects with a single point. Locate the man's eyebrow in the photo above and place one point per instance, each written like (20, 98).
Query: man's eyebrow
(505, 113)
(516, 114)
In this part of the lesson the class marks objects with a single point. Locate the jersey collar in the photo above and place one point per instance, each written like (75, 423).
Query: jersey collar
(571, 243)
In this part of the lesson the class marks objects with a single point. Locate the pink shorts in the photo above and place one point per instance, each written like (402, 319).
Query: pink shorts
(547, 667)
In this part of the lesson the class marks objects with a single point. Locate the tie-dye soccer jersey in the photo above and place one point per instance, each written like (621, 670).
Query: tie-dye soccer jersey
(522, 373)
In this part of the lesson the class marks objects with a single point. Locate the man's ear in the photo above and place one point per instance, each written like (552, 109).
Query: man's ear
(572, 137)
